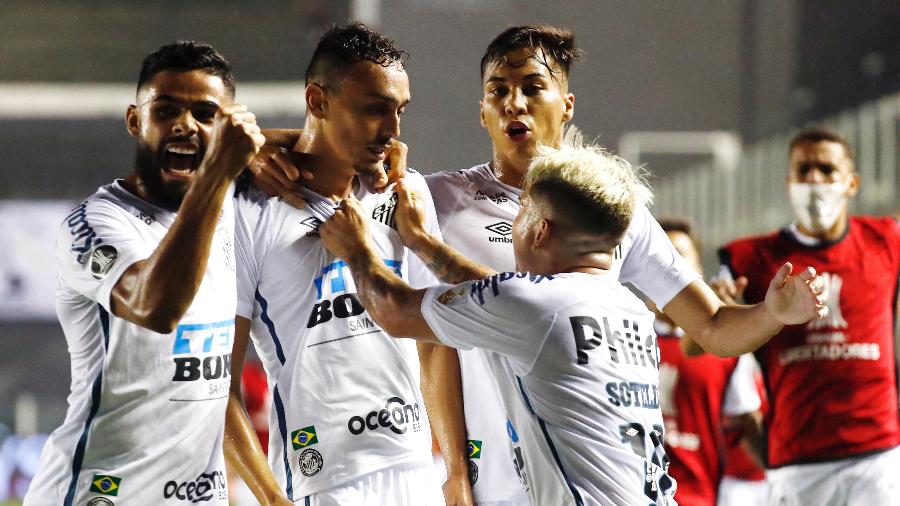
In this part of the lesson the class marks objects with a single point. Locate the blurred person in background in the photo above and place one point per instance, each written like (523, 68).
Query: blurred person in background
(697, 394)
(744, 477)
(146, 298)
(832, 427)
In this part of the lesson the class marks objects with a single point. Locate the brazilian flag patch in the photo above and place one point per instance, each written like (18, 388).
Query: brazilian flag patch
(105, 484)
(304, 437)
(473, 448)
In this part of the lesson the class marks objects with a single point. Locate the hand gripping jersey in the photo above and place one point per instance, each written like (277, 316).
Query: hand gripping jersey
(346, 397)
(475, 213)
(576, 361)
(696, 394)
(146, 410)
(831, 383)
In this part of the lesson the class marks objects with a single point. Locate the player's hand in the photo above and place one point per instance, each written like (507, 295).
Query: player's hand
(409, 215)
(275, 174)
(347, 231)
(396, 161)
(796, 299)
(729, 290)
(458, 490)
(234, 141)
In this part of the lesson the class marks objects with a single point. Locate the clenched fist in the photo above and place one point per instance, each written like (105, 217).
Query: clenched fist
(347, 232)
(234, 141)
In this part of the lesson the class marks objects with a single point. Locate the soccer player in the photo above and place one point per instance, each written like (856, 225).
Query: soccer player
(572, 349)
(832, 426)
(697, 394)
(146, 298)
(349, 425)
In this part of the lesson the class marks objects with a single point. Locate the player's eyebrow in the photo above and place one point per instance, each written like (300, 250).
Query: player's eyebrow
(171, 98)
(495, 79)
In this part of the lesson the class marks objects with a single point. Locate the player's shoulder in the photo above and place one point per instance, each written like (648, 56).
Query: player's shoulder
(460, 179)
(749, 245)
(512, 289)
(880, 225)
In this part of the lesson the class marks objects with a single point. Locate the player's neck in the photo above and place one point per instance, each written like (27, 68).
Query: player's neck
(510, 170)
(832, 234)
(332, 177)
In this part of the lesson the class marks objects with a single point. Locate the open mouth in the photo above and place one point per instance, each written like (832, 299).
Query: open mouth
(517, 131)
(181, 159)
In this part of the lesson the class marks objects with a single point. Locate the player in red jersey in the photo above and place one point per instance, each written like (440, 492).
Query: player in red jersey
(744, 477)
(832, 427)
(696, 394)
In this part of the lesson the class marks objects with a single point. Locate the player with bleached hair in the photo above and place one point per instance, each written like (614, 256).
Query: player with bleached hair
(572, 350)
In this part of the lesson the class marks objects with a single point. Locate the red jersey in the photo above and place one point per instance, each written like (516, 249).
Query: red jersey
(831, 383)
(255, 391)
(738, 462)
(691, 395)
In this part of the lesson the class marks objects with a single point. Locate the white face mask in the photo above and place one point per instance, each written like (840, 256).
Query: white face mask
(818, 205)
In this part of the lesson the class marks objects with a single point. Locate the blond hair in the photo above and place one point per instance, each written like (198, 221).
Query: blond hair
(591, 188)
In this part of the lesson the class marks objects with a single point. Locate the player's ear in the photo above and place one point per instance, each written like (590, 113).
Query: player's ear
(568, 107)
(542, 233)
(481, 113)
(854, 184)
(316, 102)
(133, 121)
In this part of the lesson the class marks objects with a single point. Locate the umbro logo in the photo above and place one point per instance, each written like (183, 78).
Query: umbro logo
(313, 223)
(502, 230)
(497, 198)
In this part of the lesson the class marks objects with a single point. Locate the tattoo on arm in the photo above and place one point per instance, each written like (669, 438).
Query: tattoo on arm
(447, 264)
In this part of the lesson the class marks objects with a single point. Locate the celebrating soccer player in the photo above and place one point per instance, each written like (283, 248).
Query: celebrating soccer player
(146, 298)
(349, 425)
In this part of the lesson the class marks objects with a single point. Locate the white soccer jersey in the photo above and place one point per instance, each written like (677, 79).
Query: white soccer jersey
(576, 361)
(346, 395)
(475, 213)
(146, 410)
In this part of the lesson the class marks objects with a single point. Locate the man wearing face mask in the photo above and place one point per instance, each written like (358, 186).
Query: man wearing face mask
(832, 428)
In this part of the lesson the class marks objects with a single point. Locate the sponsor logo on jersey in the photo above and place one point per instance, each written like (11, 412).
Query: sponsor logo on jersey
(477, 288)
(335, 280)
(206, 487)
(834, 320)
(301, 438)
(202, 352)
(385, 212)
(100, 501)
(105, 484)
(518, 458)
(473, 448)
(396, 415)
(313, 224)
(102, 259)
(84, 239)
(150, 219)
(501, 230)
(625, 344)
(497, 198)
(310, 462)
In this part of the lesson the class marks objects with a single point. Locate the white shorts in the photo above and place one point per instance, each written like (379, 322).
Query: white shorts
(859, 481)
(735, 492)
(405, 485)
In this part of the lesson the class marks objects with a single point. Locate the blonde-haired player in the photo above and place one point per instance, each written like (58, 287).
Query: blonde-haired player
(572, 350)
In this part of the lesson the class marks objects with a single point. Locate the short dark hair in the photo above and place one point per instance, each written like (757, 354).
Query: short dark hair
(671, 224)
(342, 46)
(557, 43)
(183, 56)
(821, 134)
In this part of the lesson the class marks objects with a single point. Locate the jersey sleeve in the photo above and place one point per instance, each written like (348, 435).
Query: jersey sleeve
(420, 276)
(741, 396)
(652, 264)
(97, 242)
(248, 242)
(503, 313)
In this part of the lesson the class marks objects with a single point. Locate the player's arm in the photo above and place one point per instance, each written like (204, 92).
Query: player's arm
(242, 448)
(155, 293)
(731, 330)
(751, 428)
(449, 265)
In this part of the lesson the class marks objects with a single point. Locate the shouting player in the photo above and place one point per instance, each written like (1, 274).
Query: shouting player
(697, 394)
(832, 424)
(146, 298)
(572, 350)
(349, 425)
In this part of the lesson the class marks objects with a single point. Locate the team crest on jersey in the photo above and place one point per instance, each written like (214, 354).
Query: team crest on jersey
(100, 501)
(310, 462)
(105, 484)
(385, 212)
(473, 449)
(313, 224)
(304, 437)
(834, 320)
(473, 472)
(451, 294)
(102, 259)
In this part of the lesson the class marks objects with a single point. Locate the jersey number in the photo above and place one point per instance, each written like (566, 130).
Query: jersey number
(656, 480)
